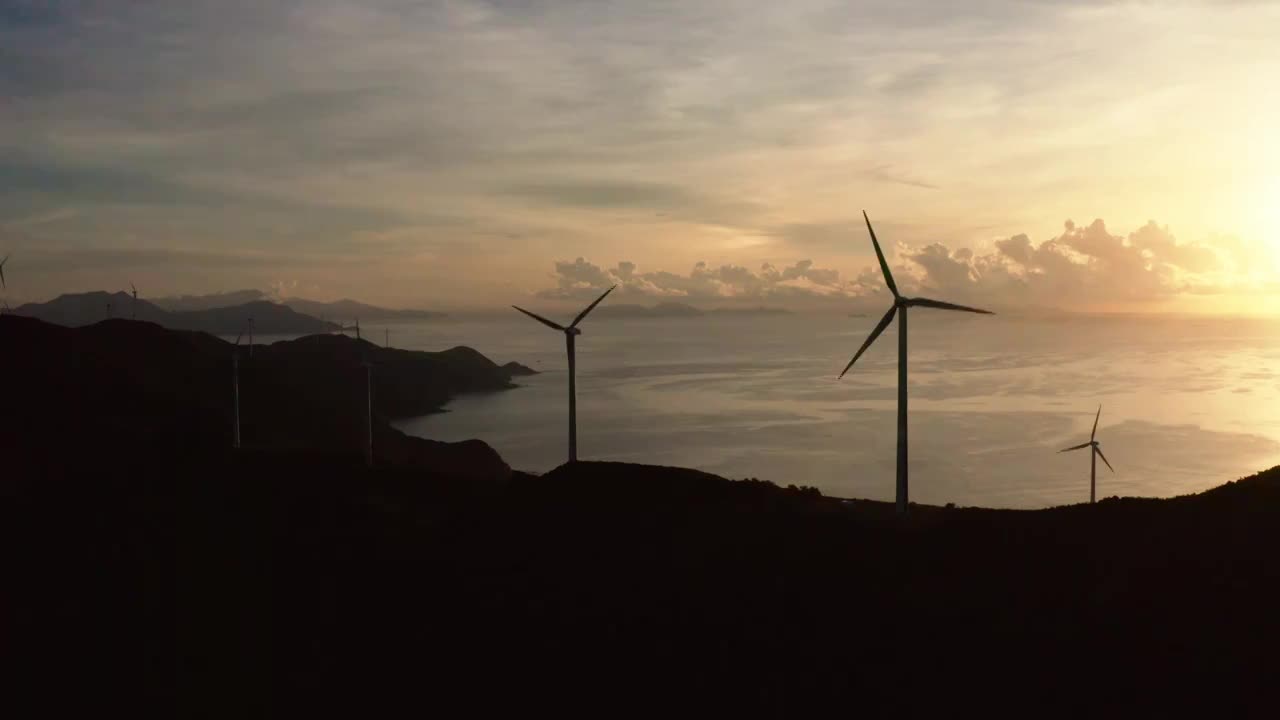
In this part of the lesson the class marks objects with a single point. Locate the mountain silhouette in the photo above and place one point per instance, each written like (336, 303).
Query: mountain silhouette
(134, 389)
(77, 310)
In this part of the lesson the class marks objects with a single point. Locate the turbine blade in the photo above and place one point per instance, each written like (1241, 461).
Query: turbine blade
(590, 308)
(926, 302)
(884, 323)
(1075, 447)
(2, 262)
(541, 319)
(884, 266)
(1095, 423)
(1104, 458)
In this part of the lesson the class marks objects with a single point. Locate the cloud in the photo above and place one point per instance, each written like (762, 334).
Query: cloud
(581, 279)
(884, 173)
(1084, 266)
(1081, 266)
(305, 126)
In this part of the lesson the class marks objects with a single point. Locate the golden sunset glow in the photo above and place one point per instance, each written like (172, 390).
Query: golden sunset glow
(473, 151)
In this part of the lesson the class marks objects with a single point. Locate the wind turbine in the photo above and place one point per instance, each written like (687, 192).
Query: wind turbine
(368, 411)
(569, 334)
(135, 300)
(235, 383)
(1093, 456)
(900, 305)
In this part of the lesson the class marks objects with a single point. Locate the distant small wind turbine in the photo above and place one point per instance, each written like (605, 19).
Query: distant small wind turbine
(3, 284)
(135, 300)
(1093, 456)
(368, 412)
(900, 305)
(235, 389)
(569, 334)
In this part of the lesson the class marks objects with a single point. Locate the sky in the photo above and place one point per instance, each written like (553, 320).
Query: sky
(454, 154)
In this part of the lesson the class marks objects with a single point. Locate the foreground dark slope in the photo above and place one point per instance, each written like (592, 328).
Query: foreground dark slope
(293, 583)
(296, 585)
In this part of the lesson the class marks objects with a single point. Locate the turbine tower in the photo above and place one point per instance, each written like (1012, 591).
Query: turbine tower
(569, 334)
(235, 385)
(900, 305)
(135, 300)
(1093, 456)
(368, 412)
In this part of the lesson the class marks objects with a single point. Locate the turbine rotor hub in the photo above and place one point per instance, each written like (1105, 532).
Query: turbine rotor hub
(572, 331)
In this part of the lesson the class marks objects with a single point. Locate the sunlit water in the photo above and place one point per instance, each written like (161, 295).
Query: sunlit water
(1187, 403)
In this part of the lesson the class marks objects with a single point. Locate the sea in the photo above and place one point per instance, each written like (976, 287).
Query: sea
(1186, 403)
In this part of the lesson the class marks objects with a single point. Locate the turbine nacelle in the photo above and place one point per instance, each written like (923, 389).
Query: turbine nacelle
(900, 301)
(572, 328)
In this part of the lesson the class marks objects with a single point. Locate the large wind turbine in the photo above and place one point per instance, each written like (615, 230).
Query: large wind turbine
(135, 300)
(900, 305)
(1093, 456)
(569, 334)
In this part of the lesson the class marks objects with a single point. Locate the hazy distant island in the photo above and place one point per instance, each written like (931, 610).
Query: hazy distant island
(218, 314)
(77, 310)
(679, 310)
(347, 310)
(340, 310)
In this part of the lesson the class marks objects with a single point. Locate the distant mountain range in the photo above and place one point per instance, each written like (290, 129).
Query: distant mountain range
(81, 309)
(344, 310)
(679, 310)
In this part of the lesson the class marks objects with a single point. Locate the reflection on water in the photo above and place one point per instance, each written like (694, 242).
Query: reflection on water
(1187, 403)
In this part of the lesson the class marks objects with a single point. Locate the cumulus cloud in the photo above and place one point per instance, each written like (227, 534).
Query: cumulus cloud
(581, 279)
(1083, 265)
